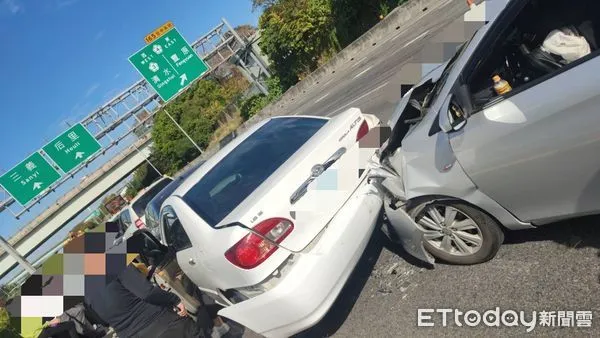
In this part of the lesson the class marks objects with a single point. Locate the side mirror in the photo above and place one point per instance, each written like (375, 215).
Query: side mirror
(118, 241)
(451, 116)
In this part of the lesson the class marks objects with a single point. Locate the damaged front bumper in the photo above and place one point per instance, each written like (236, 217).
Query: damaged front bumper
(408, 233)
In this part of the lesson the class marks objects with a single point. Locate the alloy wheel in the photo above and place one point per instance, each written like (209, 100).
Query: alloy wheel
(450, 230)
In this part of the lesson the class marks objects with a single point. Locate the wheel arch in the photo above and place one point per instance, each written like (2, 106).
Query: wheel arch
(501, 216)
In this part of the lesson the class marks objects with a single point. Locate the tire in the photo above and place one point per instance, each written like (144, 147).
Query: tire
(487, 231)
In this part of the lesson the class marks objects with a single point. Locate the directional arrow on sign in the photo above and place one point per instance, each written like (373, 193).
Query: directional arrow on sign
(183, 79)
(79, 154)
(37, 185)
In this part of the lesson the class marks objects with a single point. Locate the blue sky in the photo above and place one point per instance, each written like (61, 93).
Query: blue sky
(64, 58)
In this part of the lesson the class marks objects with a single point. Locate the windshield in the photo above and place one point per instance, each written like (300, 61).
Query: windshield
(442, 80)
(139, 205)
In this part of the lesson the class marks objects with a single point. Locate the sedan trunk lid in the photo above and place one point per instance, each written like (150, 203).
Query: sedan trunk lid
(314, 183)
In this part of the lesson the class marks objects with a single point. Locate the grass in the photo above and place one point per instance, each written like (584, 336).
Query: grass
(225, 129)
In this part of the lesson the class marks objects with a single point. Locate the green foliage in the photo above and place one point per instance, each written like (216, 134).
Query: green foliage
(384, 9)
(198, 111)
(142, 177)
(353, 18)
(295, 33)
(252, 105)
(300, 35)
(274, 87)
(256, 103)
(4, 319)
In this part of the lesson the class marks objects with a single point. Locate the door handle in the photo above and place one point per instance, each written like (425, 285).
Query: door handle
(191, 261)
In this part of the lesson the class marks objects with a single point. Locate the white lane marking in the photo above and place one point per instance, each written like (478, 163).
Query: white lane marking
(415, 39)
(322, 97)
(364, 71)
(361, 60)
(360, 97)
(397, 36)
(397, 51)
(326, 82)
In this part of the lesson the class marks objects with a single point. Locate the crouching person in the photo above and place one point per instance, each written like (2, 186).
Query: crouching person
(134, 307)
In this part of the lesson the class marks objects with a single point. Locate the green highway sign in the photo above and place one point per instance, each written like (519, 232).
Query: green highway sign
(169, 64)
(72, 147)
(29, 178)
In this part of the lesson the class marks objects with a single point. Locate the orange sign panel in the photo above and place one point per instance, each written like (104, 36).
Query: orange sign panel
(160, 31)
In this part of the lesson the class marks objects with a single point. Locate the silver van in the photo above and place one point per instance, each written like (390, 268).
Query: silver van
(464, 164)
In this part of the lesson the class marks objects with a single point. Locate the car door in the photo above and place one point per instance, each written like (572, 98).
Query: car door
(124, 220)
(536, 151)
(175, 236)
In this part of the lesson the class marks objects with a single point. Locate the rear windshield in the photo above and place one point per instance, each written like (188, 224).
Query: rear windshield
(139, 205)
(233, 179)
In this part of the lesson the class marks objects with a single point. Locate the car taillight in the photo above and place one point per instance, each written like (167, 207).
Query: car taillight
(253, 249)
(139, 224)
(362, 131)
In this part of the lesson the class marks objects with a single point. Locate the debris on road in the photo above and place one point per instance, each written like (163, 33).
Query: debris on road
(392, 270)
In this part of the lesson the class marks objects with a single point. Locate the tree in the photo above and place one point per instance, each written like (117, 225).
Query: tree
(197, 111)
(297, 35)
(256, 103)
(262, 4)
(142, 177)
(300, 35)
(5, 325)
(353, 18)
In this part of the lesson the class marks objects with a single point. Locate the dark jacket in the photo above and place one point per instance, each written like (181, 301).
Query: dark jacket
(131, 303)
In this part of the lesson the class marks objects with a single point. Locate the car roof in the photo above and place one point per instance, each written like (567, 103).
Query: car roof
(148, 188)
(171, 187)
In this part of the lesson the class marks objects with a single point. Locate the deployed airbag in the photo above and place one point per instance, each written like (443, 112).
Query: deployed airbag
(567, 44)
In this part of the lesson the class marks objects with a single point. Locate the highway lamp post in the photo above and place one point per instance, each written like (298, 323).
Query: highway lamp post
(178, 126)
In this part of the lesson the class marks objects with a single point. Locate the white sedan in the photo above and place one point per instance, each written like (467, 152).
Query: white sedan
(273, 224)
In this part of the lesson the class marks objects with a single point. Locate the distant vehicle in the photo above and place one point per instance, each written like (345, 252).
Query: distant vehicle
(133, 217)
(273, 224)
(121, 229)
(115, 204)
(153, 207)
